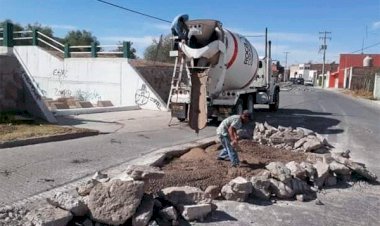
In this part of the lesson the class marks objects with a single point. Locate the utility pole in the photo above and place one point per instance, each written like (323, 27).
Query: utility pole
(286, 64)
(324, 36)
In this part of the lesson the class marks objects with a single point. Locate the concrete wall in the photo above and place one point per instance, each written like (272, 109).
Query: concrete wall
(159, 77)
(11, 89)
(89, 79)
(18, 91)
(376, 90)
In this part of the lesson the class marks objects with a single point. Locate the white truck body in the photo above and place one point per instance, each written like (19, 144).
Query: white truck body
(236, 77)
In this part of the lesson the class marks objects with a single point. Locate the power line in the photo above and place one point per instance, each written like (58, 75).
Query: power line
(134, 11)
(367, 47)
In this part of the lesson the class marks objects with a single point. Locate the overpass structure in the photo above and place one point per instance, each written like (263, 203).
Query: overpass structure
(45, 77)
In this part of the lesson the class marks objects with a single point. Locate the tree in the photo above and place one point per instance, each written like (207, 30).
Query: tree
(16, 26)
(80, 38)
(159, 50)
(43, 29)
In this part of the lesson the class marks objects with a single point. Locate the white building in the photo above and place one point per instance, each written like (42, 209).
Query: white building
(302, 71)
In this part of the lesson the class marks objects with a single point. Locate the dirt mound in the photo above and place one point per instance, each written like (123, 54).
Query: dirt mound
(194, 154)
(200, 168)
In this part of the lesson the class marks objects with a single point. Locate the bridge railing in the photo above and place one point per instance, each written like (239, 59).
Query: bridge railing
(10, 38)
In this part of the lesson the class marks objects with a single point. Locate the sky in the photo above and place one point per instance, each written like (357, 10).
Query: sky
(293, 25)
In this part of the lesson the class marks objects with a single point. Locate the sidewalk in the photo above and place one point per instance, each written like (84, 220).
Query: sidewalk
(121, 121)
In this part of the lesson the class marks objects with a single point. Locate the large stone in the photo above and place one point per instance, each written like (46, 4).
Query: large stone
(69, 202)
(86, 188)
(299, 186)
(100, 177)
(260, 127)
(270, 128)
(144, 212)
(241, 185)
(237, 189)
(339, 168)
(184, 195)
(322, 139)
(279, 171)
(322, 173)
(290, 137)
(229, 194)
(169, 213)
(305, 131)
(311, 171)
(116, 201)
(300, 143)
(260, 186)
(144, 172)
(213, 191)
(196, 212)
(312, 144)
(356, 167)
(296, 170)
(49, 215)
(280, 189)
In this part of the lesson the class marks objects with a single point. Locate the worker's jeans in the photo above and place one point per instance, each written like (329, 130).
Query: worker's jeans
(228, 150)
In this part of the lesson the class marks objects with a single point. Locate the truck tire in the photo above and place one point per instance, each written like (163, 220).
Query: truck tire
(276, 99)
(250, 103)
(239, 107)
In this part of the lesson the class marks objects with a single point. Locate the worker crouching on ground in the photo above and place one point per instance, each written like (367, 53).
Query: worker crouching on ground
(227, 133)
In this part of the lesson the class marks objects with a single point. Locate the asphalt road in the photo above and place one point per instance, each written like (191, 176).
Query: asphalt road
(29, 170)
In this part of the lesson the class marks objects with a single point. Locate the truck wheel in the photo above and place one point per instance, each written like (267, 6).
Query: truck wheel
(276, 99)
(239, 107)
(181, 119)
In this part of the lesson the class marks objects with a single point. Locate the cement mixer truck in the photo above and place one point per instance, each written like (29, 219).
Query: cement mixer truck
(217, 73)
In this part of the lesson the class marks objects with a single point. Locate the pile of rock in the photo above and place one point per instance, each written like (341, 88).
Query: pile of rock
(10, 215)
(298, 139)
(122, 200)
(296, 180)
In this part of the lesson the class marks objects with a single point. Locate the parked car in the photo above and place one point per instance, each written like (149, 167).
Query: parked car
(300, 81)
(308, 82)
(292, 80)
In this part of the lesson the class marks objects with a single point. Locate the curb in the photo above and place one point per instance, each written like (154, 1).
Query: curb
(46, 139)
(153, 158)
(94, 110)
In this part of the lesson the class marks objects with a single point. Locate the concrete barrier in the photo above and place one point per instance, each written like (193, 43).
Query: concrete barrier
(89, 79)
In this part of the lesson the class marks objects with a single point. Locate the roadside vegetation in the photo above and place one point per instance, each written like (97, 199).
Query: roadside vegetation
(16, 126)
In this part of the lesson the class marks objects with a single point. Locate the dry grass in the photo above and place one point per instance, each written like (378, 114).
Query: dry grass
(11, 132)
(359, 93)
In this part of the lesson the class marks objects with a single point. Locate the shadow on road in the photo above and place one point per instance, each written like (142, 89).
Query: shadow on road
(219, 216)
(319, 122)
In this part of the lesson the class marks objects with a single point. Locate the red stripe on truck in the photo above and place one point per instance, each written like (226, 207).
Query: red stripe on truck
(234, 55)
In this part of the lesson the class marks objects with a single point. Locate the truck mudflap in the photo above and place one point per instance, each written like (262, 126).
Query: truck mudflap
(198, 105)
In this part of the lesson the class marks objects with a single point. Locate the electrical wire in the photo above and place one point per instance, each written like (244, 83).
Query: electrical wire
(134, 11)
(367, 47)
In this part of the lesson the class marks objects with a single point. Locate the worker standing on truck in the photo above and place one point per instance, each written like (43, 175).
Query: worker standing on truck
(227, 133)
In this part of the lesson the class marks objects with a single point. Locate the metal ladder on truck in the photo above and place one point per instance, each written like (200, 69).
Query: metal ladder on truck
(177, 76)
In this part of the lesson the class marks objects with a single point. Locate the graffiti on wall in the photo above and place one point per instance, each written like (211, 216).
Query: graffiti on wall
(84, 95)
(62, 92)
(60, 74)
(142, 97)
